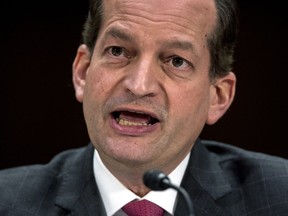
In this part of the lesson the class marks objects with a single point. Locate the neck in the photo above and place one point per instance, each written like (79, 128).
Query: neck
(131, 177)
(130, 173)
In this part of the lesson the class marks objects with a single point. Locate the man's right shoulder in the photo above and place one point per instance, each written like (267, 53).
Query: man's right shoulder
(34, 181)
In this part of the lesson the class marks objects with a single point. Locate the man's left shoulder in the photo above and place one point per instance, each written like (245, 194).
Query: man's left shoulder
(249, 166)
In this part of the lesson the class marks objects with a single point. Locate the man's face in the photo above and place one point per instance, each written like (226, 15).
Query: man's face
(146, 91)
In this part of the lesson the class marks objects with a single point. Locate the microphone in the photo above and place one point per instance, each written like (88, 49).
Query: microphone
(158, 181)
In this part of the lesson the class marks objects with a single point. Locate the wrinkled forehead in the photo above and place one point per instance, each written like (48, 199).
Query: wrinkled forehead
(201, 12)
(161, 5)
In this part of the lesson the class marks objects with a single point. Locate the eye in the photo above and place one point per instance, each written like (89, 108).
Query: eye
(116, 51)
(179, 63)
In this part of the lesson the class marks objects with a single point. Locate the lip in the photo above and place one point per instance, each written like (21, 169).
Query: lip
(138, 130)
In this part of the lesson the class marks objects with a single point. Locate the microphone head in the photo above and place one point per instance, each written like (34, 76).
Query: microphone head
(156, 180)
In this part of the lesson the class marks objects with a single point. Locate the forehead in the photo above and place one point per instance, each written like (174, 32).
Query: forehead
(184, 13)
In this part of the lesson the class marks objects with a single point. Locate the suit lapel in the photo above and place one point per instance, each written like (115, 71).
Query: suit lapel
(78, 193)
(205, 182)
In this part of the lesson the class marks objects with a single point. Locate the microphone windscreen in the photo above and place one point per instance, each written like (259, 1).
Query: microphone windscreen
(155, 179)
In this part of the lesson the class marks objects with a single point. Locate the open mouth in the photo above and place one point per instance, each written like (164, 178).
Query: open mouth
(127, 118)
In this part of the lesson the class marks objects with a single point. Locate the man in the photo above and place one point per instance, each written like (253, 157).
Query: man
(150, 75)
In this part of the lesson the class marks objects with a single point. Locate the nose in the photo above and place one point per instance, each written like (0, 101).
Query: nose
(142, 78)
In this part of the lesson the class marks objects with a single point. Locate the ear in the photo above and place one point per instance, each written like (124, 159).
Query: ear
(222, 94)
(80, 68)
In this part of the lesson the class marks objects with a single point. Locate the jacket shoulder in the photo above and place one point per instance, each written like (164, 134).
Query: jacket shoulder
(258, 181)
(227, 152)
(27, 186)
(254, 174)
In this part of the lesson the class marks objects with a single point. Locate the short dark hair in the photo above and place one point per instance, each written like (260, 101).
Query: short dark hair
(221, 41)
(92, 24)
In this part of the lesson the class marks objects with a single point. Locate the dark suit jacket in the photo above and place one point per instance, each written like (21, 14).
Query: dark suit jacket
(221, 180)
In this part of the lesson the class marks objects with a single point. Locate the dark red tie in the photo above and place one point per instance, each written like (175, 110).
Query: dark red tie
(142, 208)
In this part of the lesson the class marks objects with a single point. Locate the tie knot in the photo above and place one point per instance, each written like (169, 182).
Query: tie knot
(142, 208)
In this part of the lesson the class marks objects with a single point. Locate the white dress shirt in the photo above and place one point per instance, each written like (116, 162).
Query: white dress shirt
(115, 195)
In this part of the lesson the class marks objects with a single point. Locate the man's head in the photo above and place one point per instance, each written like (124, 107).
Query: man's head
(221, 41)
(145, 80)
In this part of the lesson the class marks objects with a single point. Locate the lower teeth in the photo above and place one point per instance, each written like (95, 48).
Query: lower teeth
(128, 123)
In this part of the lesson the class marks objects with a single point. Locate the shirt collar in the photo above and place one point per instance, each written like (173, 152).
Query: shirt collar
(115, 195)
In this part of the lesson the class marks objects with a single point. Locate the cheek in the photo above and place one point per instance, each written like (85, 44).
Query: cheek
(97, 88)
(95, 83)
(93, 94)
(192, 105)
(100, 85)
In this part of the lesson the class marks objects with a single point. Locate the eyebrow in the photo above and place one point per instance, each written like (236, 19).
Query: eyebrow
(170, 44)
(181, 44)
(185, 45)
(117, 33)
